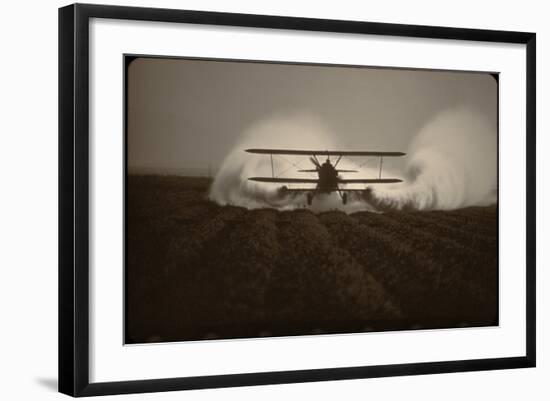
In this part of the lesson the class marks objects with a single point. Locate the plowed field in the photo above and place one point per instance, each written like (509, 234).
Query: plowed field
(197, 270)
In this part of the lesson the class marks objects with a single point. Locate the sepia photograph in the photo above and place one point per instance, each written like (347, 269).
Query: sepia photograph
(268, 199)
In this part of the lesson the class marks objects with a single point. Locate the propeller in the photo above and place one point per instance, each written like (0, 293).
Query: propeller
(315, 162)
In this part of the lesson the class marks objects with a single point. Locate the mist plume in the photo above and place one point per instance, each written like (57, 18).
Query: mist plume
(451, 163)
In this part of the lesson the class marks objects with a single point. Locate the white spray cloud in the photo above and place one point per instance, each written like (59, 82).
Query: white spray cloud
(452, 163)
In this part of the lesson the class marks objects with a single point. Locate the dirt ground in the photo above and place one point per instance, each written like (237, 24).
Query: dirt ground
(197, 270)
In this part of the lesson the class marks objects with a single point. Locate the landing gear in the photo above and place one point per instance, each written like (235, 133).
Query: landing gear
(344, 198)
(282, 191)
(309, 199)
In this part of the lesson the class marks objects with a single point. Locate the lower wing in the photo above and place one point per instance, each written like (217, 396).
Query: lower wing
(371, 181)
(297, 190)
(285, 180)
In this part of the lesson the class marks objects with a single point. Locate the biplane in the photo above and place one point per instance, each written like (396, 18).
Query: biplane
(329, 178)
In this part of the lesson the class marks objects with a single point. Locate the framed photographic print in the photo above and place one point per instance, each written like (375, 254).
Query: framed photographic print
(249, 199)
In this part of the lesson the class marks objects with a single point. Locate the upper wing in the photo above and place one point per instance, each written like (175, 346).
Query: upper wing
(371, 181)
(315, 181)
(323, 152)
(285, 180)
(338, 170)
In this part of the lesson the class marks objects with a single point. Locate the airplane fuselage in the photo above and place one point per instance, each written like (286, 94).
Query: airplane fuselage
(328, 178)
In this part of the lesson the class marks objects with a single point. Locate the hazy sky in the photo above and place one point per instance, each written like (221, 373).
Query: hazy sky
(185, 113)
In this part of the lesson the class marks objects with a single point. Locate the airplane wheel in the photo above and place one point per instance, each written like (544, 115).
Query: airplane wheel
(344, 198)
(309, 199)
(282, 191)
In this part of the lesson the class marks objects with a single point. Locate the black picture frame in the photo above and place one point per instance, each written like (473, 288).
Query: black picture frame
(74, 199)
